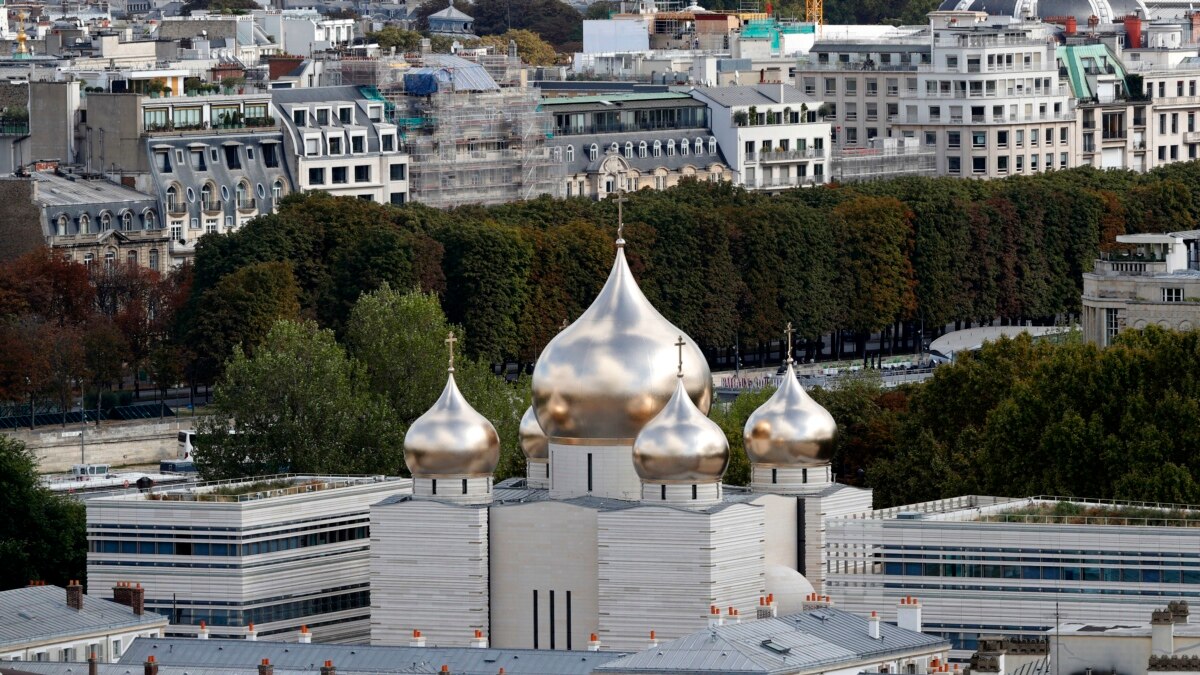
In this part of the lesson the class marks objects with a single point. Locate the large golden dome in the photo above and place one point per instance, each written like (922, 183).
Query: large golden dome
(681, 445)
(790, 429)
(608, 373)
(451, 439)
(534, 443)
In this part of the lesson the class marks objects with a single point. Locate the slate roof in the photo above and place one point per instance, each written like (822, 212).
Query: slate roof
(38, 613)
(451, 12)
(582, 164)
(55, 190)
(746, 95)
(357, 658)
(818, 640)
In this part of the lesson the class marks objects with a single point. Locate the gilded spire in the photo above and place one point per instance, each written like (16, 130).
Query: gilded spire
(788, 332)
(680, 344)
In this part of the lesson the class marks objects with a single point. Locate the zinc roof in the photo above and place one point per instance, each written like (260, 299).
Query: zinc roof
(55, 190)
(39, 613)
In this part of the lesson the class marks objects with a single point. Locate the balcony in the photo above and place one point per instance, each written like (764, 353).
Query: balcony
(247, 204)
(1129, 267)
(1191, 137)
(784, 155)
(177, 208)
(212, 206)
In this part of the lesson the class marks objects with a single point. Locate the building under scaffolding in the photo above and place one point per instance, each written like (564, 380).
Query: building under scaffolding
(890, 158)
(469, 140)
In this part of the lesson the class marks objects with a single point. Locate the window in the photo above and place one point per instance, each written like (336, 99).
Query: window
(110, 259)
(84, 224)
(955, 165)
(243, 197)
(1172, 295)
(154, 259)
(978, 165)
(300, 117)
(642, 149)
(658, 148)
(154, 119)
(358, 144)
(399, 198)
(570, 153)
(712, 146)
(195, 224)
(87, 259)
(1002, 164)
(127, 221)
(277, 191)
(628, 149)
(61, 225)
(670, 147)
(683, 147)
(105, 221)
(188, 118)
(593, 152)
(1002, 139)
(1020, 138)
(316, 176)
(210, 225)
(233, 159)
(1112, 324)
(162, 161)
(322, 117)
(398, 171)
(953, 139)
(362, 173)
(699, 146)
(345, 115)
(198, 163)
(388, 141)
(148, 220)
(335, 145)
(339, 175)
(978, 139)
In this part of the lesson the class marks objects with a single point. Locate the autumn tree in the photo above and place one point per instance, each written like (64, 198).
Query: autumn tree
(532, 49)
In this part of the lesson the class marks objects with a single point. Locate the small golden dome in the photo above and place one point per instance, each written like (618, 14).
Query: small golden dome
(451, 439)
(790, 429)
(681, 445)
(534, 443)
(607, 374)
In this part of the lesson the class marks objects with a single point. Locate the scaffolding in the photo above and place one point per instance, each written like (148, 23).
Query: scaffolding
(896, 157)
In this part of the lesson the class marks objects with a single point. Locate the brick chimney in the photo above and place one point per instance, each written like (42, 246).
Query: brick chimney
(93, 668)
(150, 667)
(265, 668)
(75, 595)
(121, 593)
(137, 599)
(328, 669)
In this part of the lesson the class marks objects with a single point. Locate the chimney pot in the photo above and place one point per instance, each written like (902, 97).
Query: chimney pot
(93, 668)
(150, 667)
(265, 668)
(75, 595)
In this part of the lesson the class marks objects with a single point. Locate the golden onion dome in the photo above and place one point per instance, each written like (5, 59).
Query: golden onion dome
(534, 443)
(790, 429)
(451, 439)
(681, 445)
(607, 374)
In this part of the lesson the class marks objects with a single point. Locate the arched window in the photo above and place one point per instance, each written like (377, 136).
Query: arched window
(105, 221)
(642, 149)
(206, 197)
(628, 149)
(570, 153)
(593, 152)
(131, 258)
(127, 221)
(277, 190)
(712, 145)
(87, 259)
(148, 220)
(172, 198)
(154, 259)
(670, 147)
(684, 146)
(110, 259)
(614, 148)
(84, 223)
(658, 148)
(243, 196)
(62, 224)
(699, 146)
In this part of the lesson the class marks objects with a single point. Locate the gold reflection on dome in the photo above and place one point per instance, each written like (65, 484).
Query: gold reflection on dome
(606, 375)
(681, 445)
(451, 438)
(534, 443)
(790, 429)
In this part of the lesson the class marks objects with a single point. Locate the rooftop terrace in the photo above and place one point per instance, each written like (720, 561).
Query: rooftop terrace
(240, 490)
(1045, 510)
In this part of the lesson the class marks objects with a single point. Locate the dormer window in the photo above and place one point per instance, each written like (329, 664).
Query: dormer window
(358, 144)
(322, 117)
(346, 115)
(300, 117)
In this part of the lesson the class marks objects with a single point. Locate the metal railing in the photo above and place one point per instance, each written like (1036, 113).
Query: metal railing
(212, 205)
(247, 203)
(177, 208)
(265, 487)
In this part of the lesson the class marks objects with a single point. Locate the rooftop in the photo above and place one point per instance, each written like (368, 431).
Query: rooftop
(615, 99)
(244, 654)
(747, 95)
(257, 488)
(55, 190)
(817, 640)
(39, 613)
(1044, 510)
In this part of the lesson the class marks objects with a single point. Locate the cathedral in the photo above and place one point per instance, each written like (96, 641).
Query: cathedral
(622, 527)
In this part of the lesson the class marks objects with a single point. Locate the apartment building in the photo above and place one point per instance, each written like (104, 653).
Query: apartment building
(613, 142)
(983, 91)
(337, 140)
(252, 557)
(980, 566)
(1156, 282)
(772, 138)
(213, 162)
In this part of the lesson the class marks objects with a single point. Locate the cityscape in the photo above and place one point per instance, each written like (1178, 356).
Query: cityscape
(547, 337)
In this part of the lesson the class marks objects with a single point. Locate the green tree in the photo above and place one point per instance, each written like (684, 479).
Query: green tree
(42, 535)
(298, 404)
(391, 37)
(876, 236)
(530, 46)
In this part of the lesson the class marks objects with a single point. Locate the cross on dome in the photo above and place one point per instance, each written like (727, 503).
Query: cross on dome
(450, 345)
(789, 331)
(680, 344)
(620, 219)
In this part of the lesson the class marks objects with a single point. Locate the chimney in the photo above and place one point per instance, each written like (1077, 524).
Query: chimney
(251, 632)
(593, 643)
(418, 640)
(1179, 611)
(75, 595)
(305, 636)
(137, 599)
(714, 616)
(150, 667)
(653, 641)
(121, 593)
(479, 642)
(873, 626)
(265, 668)
(445, 669)
(1162, 633)
(202, 634)
(328, 669)
(908, 615)
(93, 668)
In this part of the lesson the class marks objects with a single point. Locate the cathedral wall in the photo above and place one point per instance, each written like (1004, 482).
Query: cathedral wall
(661, 569)
(611, 473)
(429, 572)
(780, 530)
(544, 550)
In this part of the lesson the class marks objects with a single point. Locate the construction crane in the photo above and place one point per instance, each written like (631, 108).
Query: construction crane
(814, 12)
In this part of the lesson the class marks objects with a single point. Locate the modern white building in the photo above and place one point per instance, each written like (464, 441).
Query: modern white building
(338, 141)
(1155, 283)
(622, 525)
(770, 134)
(304, 31)
(49, 623)
(1015, 567)
(252, 558)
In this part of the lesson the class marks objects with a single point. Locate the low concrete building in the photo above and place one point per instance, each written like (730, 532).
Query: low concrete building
(50, 623)
(1157, 282)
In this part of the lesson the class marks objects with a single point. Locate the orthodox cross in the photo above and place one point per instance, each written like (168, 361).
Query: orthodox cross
(680, 345)
(620, 218)
(564, 325)
(789, 331)
(450, 344)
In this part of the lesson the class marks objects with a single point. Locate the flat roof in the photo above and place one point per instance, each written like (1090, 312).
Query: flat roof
(615, 98)
(255, 488)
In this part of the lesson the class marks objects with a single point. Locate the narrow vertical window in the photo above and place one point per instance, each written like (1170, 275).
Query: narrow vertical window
(464, 486)
(552, 626)
(774, 475)
(535, 620)
(568, 620)
(434, 486)
(664, 491)
(694, 492)
(803, 475)
(589, 471)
